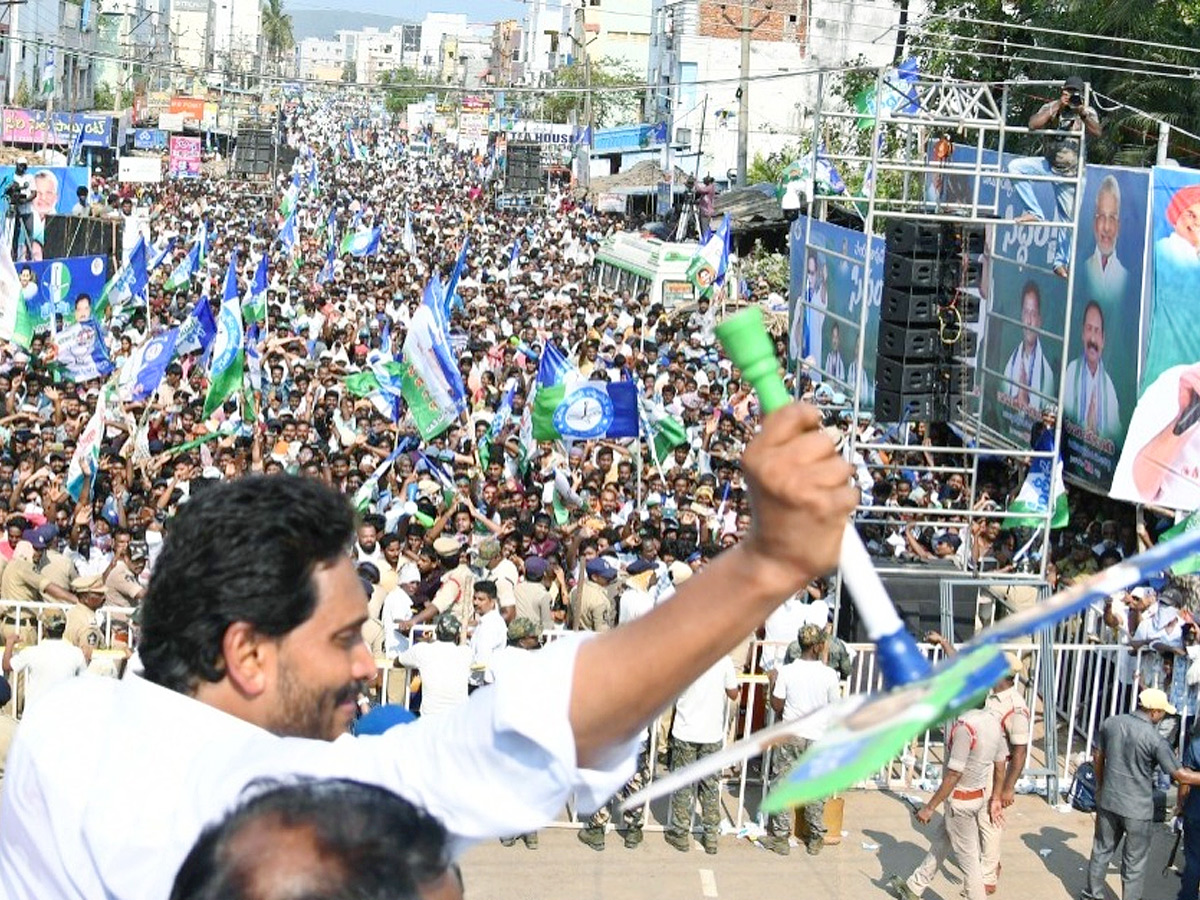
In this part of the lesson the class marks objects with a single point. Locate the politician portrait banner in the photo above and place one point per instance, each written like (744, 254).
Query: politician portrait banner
(826, 297)
(58, 283)
(1100, 384)
(1160, 462)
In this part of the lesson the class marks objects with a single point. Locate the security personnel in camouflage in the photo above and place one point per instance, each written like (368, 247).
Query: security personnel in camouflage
(593, 831)
(698, 730)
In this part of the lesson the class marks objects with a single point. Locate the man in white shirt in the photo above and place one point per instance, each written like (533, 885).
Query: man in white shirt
(636, 600)
(699, 730)
(398, 608)
(1106, 277)
(444, 664)
(781, 629)
(1089, 397)
(802, 687)
(253, 658)
(490, 634)
(47, 663)
(1027, 373)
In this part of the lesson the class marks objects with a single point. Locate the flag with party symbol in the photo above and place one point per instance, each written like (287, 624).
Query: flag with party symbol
(229, 347)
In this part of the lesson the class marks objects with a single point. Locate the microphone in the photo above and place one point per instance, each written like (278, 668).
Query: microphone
(1189, 417)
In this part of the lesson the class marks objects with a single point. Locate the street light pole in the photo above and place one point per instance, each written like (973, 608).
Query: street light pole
(745, 30)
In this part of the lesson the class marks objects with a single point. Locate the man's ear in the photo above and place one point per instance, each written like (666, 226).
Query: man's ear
(249, 657)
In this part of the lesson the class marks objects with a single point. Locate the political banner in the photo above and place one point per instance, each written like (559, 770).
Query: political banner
(1160, 461)
(1022, 305)
(54, 188)
(1100, 385)
(826, 298)
(149, 139)
(58, 284)
(140, 169)
(188, 107)
(29, 126)
(184, 160)
(80, 351)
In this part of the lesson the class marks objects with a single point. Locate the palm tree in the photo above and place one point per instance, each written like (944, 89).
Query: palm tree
(277, 30)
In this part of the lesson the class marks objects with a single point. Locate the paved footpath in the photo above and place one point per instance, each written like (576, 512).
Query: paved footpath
(1044, 856)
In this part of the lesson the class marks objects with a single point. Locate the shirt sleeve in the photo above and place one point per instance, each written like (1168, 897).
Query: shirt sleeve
(835, 687)
(779, 692)
(731, 679)
(1167, 761)
(20, 660)
(960, 746)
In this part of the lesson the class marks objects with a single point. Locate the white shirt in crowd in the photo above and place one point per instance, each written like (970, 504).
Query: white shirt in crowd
(700, 710)
(806, 686)
(445, 668)
(490, 634)
(781, 628)
(501, 764)
(397, 607)
(46, 665)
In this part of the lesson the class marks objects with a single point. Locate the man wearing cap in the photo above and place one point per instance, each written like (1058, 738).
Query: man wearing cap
(21, 195)
(698, 731)
(48, 663)
(532, 595)
(971, 787)
(122, 586)
(503, 573)
(1069, 113)
(83, 627)
(1006, 702)
(444, 663)
(800, 688)
(1129, 750)
(590, 606)
(457, 589)
(636, 599)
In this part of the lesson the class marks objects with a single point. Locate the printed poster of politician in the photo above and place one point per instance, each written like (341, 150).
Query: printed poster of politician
(1100, 383)
(1160, 462)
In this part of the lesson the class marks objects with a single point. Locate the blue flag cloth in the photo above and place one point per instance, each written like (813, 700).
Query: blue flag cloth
(552, 367)
(362, 243)
(326, 274)
(144, 370)
(198, 329)
(287, 233)
(160, 255)
(452, 298)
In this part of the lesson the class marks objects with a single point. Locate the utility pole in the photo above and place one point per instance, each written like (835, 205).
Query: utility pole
(745, 29)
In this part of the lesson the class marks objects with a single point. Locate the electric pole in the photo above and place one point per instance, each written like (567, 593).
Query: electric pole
(745, 29)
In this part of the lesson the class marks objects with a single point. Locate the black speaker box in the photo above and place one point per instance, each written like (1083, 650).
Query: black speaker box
(903, 271)
(903, 377)
(891, 406)
(909, 306)
(904, 343)
(912, 238)
(964, 345)
(955, 378)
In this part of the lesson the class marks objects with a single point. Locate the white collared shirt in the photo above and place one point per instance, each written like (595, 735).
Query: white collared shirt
(502, 763)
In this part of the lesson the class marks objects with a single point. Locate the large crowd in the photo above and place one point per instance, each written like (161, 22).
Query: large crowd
(476, 542)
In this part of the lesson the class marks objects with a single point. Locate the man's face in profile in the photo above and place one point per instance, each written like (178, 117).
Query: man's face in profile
(1106, 223)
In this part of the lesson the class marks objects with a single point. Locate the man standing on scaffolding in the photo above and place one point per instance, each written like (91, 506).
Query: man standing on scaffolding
(1060, 157)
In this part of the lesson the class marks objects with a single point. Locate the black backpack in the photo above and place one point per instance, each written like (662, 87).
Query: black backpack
(1082, 794)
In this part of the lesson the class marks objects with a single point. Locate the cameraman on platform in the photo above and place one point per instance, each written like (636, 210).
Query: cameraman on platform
(20, 193)
(1060, 157)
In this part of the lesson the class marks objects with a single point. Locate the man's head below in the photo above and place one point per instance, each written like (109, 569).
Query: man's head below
(1155, 704)
(255, 606)
(321, 840)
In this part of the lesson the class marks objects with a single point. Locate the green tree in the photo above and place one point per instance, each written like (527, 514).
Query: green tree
(21, 96)
(401, 88)
(610, 104)
(1088, 39)
(349, 71)
(276, 30)
(769, 168)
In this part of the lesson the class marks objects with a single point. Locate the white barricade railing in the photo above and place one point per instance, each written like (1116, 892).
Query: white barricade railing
(1091, 681)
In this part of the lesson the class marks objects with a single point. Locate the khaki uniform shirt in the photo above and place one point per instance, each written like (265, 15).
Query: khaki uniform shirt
(121, 587)
(592, 608)
(373, 632)
(59, 569)
(83, 628)
(451, 596)
(533, 603)
(976, 744)
(1010, 708)
(21, 581)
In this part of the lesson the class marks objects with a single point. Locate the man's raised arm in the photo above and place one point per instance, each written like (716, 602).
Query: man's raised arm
(802, 496)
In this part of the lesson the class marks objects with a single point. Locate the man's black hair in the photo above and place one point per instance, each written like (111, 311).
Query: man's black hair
(242, 551)
(363, 843)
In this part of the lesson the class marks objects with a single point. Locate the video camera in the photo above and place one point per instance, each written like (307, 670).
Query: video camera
(1074, 98)
(16, 194)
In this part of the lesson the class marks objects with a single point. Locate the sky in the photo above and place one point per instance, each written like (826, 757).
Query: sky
(476, 10)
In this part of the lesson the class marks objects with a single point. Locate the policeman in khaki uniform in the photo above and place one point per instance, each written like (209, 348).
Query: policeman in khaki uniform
(971, 787)
(1008, 704)
(591, 606)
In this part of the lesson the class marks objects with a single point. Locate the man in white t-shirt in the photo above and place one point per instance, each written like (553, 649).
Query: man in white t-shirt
(781, 629)
(490, 634)
(698, 730)
(802, 687)
(48, 663)
(398, 608)
(445, 666)
(636, 600)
